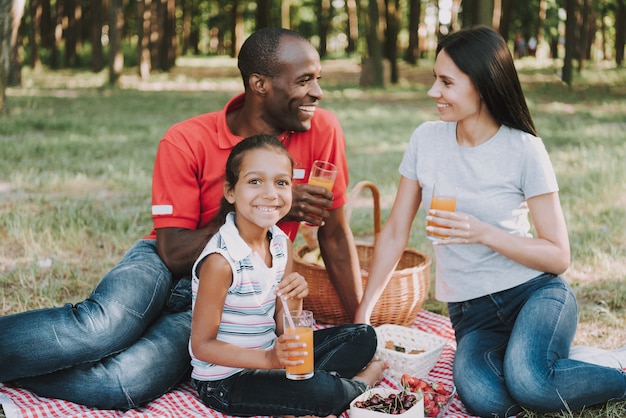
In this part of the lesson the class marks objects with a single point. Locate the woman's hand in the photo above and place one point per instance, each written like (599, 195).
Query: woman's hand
(457, 227)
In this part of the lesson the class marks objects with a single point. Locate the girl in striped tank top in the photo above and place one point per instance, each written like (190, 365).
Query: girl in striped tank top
(237, 345)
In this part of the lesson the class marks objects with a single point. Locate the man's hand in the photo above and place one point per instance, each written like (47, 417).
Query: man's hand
(310, 204)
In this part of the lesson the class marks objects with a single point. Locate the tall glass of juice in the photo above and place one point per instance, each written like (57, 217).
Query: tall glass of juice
(323, 174)
(441, 200)
(303, 321)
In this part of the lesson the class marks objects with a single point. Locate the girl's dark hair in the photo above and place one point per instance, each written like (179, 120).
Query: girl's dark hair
(483, 55)
(233, 167)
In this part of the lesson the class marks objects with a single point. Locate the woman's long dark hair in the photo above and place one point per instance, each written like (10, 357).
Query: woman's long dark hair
(484, 56)
(233, 167)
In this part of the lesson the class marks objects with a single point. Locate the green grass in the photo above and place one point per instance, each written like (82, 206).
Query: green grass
(76, 162)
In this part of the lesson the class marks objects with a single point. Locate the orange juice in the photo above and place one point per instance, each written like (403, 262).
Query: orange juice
(324, 182)
(441, 203)
(304, 370)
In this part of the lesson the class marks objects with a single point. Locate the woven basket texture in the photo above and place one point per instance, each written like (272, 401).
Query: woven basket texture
(401, 300)
(418, 365)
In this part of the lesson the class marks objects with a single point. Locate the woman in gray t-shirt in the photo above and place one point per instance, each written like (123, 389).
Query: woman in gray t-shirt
(513, 315)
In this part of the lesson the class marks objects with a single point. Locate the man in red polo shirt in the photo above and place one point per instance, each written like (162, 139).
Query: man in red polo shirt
(127, 343)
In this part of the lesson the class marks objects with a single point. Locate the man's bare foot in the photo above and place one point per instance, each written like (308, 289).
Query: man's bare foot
(372, 373)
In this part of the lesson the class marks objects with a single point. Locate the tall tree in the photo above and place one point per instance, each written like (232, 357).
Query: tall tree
(11, 12)
(169, 44)
(620, 31)
(373, 71)
(392, 29)
(506, 15)
(71, 32)
(144, 27)
(237, 32)
(57, 31)
(325, 16)
(36, 11)
(116, 57)
(412, 50)
(97, 53)
(352, 26)
(263, 13)
(572, 23)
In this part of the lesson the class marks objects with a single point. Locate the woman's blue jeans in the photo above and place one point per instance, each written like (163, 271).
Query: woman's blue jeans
(512, 350)
(123, 346)
(340, 353)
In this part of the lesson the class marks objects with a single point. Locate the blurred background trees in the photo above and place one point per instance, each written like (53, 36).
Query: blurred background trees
(150, 34)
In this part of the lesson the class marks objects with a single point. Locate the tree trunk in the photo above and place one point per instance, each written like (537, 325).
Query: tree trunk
(352, 28)
(116, 57)
(97, 53)
(11, 12)
(412, 50)
(169, 45)
(372, 72)
(484, 13)
(237, 29)
(620, 31)
(263, 13)
(57, 35)
(392, 8)
(144, 26)
(70, 35)
(47, 25)
(506, 15)
(285, 14)
(584, 34)
(571, 25)
(543, 9)
(35, 10)
(325, 15)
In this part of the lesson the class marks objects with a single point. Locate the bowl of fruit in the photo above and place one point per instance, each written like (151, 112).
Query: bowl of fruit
(381, 402)
(437, 396)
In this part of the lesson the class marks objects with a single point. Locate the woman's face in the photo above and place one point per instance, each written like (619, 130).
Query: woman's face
(456, 97)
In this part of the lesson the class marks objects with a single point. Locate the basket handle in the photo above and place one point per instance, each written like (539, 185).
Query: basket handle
(365, 184)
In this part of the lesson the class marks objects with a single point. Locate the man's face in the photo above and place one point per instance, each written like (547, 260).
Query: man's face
(294, 93)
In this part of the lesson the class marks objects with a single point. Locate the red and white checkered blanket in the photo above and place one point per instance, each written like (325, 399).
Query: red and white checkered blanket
(184, 402)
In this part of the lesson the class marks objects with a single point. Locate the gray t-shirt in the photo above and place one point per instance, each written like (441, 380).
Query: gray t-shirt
(492, 182)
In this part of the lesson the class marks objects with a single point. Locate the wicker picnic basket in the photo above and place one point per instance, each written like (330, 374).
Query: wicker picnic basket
(401, 300)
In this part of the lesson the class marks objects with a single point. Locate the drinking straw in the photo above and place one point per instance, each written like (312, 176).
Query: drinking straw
(288, 313)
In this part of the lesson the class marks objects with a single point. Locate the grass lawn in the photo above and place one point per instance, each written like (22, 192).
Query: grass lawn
(76, 163)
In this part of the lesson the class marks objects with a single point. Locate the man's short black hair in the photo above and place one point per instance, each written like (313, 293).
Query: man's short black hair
(258, 52)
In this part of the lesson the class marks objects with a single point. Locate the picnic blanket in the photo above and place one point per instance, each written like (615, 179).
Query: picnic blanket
(183, 401)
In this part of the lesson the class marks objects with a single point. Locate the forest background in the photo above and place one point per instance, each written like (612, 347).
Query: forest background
(91, 87)
(151, 34)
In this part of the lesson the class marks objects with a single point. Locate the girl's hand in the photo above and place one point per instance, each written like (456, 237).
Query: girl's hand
(287, 346)
(293, 286)
(459, 227)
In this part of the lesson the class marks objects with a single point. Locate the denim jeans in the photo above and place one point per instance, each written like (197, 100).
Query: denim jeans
(123, 346)
(512, 350)
(340, 353)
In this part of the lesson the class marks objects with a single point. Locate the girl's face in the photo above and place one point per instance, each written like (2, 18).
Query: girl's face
(457, 98)
(262, 194)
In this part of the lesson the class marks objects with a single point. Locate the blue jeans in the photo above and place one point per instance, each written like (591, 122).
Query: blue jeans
(340, 353)
(512, 350)
(123, 346)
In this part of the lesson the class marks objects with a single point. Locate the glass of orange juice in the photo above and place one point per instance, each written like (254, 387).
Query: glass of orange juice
(443, 199)
(323, 174)
(303, 321)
